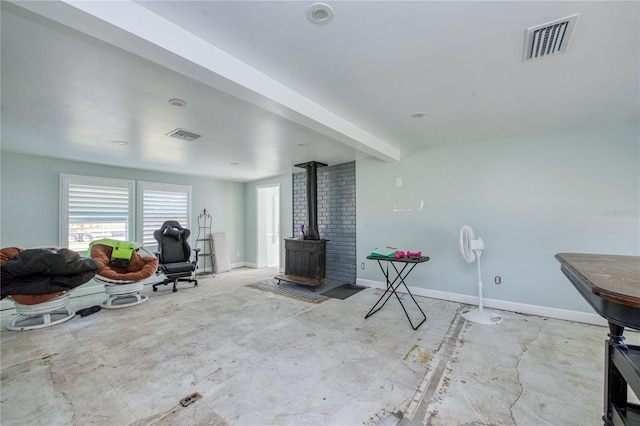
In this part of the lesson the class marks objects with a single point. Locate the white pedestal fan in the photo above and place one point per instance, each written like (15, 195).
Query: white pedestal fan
(471, 249)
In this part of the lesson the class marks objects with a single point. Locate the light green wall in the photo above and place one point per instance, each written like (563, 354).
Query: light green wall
(286, 213)
(29, 209)
(528, 197)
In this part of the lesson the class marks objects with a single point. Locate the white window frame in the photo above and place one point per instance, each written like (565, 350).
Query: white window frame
(67, 179)
(165, 187)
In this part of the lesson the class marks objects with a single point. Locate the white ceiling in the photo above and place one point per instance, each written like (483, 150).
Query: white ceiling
(267, 89)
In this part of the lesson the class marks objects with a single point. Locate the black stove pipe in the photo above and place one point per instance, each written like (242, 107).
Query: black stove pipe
(311, 167)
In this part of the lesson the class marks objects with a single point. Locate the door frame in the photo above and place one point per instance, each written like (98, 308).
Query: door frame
(262, 258)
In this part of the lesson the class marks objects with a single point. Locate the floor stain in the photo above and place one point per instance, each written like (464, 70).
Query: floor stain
(418, 354)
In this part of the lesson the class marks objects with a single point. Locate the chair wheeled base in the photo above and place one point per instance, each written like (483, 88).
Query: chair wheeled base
(175, 280)
(121, 292)
(45, 314)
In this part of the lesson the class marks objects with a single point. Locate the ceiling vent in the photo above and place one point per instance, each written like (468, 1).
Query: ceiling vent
(185, 135)
(548, 39)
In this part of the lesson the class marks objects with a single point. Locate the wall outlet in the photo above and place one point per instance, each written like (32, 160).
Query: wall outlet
(498, 279)
(398, 181)
(237, 254)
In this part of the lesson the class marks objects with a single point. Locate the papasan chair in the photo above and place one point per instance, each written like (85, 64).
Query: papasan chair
(40, 282)
(123, 277)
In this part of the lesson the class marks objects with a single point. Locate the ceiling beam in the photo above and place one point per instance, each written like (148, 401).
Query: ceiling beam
(132, 27)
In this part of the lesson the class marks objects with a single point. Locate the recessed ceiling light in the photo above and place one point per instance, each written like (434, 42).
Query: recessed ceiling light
(121, 142)
(320, 13)
(418, 115)
(177, 102)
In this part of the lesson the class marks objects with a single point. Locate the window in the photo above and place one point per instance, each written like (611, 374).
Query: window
(162, 202)
(94, 208)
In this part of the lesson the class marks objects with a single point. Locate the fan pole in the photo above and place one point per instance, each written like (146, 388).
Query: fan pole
(480, 302)
(479, 315)
(471, 250)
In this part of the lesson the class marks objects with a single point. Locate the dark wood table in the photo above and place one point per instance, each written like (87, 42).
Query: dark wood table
(611, 285)
(408, 263)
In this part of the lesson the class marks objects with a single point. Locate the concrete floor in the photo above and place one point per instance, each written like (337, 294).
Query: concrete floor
(257, 358)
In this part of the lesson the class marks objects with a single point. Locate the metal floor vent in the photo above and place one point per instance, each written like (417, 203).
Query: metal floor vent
(185, 135)
(548, 39)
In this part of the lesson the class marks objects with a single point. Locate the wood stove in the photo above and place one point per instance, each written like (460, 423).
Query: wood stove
(305, 257)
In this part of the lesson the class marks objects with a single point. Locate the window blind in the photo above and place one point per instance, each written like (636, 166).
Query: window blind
(98, 204)
(92, 208)
(159, 206)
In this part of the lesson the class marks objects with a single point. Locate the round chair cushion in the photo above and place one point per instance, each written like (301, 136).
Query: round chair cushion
(138, 269)
(34, 299)
(7, 253)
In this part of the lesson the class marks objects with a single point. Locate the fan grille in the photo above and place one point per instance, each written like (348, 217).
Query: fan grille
(466, 237)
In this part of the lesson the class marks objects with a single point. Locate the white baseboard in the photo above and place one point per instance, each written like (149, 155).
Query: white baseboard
(92, 287)
(254, 266)
(505, 305)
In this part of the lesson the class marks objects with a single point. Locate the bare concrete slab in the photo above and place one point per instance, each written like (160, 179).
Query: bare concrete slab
(259, 358)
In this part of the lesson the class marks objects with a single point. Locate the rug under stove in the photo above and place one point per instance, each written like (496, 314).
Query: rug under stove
(297, 291)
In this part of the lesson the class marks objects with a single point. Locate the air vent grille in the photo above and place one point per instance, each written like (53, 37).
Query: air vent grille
(185, 135)
(548, 39)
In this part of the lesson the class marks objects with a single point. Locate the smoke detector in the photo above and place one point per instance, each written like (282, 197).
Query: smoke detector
(185, 135)
(548, 39)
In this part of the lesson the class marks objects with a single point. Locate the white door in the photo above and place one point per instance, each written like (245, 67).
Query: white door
(268, 226)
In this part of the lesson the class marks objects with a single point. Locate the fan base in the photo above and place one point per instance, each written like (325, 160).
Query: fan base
(482, 317)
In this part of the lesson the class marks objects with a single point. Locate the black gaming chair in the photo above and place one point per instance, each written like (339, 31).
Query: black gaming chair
(174, 254)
